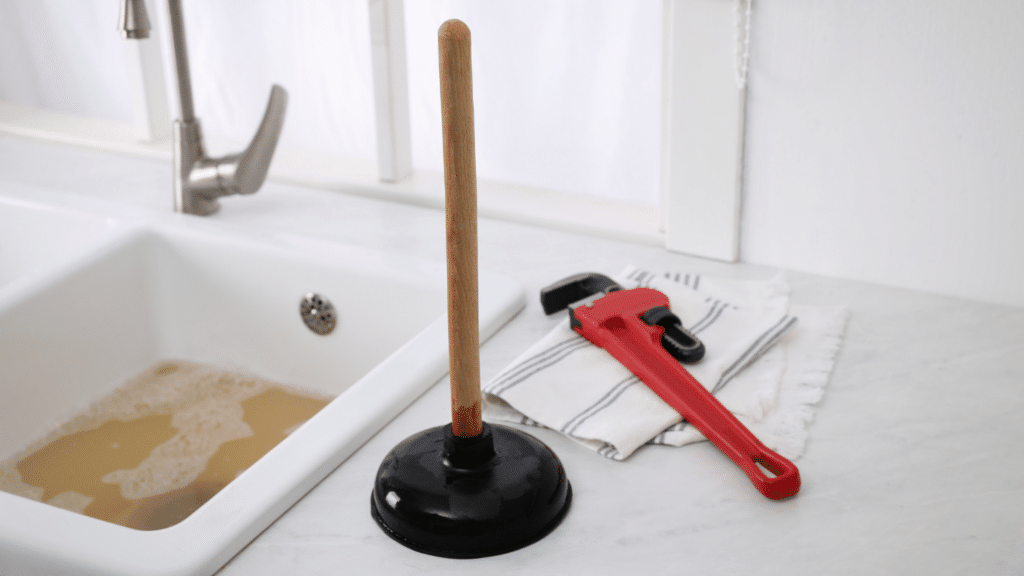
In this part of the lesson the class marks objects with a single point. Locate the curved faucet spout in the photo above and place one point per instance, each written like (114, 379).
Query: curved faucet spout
(245, 172)
(251, 168)
(204, 179)
(200, 180)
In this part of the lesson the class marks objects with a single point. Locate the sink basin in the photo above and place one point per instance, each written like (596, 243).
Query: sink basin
(36, 235)
(187, 289)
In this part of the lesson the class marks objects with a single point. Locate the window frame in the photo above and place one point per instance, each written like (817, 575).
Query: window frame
(701, 144)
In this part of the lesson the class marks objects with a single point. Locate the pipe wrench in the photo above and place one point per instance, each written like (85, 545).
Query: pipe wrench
(638, 328)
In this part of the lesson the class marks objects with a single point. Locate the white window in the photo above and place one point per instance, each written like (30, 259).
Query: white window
(588, 116)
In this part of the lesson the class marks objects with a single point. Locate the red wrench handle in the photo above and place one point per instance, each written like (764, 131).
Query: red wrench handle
(637, 346)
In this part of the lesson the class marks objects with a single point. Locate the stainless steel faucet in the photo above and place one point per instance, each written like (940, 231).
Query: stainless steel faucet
(198, 179)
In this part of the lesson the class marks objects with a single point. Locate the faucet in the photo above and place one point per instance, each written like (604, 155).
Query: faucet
(199, 179)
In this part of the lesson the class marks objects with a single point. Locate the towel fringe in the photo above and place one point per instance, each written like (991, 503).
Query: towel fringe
(796, 410)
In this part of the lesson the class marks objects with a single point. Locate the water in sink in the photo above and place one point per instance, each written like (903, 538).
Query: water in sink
(156, 449)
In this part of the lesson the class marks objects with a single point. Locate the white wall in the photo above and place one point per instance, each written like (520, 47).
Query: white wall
(885, 142)
(64, 56)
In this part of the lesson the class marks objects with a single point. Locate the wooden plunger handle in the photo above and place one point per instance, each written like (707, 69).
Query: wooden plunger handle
(460, 218)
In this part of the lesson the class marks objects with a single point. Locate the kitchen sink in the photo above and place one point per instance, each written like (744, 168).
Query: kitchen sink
(187, 290)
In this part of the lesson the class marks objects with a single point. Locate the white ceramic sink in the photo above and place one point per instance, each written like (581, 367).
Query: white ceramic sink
(184, 288)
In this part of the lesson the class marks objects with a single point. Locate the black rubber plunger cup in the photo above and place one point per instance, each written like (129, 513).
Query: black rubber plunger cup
(470, 497)
(467, 489)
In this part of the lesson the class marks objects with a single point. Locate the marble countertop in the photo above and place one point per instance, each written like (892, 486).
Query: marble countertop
(913, 464)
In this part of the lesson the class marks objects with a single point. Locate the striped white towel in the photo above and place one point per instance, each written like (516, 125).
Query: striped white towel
(565, 383)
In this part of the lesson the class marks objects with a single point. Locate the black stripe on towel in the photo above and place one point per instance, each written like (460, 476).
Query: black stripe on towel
(605, 401)
(538, 357)
(608, 451)
(718, 314)
(535, 364)
(637, 276)
(710, 318)
(755, 350)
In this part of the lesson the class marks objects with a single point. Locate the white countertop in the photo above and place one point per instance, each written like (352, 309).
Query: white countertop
(914, 462)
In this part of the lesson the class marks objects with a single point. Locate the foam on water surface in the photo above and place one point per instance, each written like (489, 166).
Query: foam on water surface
(153, 451)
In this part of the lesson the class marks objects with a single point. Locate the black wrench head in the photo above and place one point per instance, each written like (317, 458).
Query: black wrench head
(561, 294)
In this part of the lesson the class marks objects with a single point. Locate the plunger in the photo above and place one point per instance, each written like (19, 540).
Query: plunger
(468, 489)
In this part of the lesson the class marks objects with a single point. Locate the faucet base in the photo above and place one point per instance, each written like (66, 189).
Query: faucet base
(198, 206)
(188, 151)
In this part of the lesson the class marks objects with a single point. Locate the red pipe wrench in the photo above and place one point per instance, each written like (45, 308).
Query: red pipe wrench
(633, 326)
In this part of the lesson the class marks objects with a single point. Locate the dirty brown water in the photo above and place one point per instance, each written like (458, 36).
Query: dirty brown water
(150, 453)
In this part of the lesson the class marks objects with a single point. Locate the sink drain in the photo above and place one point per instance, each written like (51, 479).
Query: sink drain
(318, 313)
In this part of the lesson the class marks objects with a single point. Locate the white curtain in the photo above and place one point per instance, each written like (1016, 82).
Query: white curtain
(65, 56)
(567, 92)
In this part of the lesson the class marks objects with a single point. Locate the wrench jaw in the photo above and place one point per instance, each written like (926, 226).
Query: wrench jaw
(620, 304)
(583, 290)
(575, 291)
(604, 322)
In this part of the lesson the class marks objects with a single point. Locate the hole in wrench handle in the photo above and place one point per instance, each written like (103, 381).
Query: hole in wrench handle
(785, 481)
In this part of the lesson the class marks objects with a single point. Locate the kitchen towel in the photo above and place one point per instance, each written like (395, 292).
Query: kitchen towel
(766, 361)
